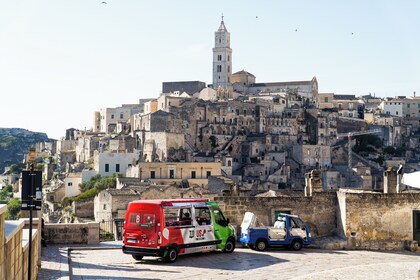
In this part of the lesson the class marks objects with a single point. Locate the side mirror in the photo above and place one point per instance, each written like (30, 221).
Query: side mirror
(303, 228)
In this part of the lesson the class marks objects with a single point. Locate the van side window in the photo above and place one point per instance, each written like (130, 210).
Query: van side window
(171, 217)
(177, 217)
(203, 216)
(185, 216)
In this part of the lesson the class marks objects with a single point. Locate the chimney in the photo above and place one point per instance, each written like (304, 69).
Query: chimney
(313, 182)
(392, 177)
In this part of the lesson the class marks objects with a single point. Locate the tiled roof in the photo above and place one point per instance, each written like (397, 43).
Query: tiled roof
(243, 72)
(344, 96)
(122, 192)
(132, 182)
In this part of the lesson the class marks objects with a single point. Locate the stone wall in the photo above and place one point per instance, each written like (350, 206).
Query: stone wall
(318, 211)
(13, 260)
(83, 208)
(14, 248)
(175, 193)
(83, 233)
(376, 220)
(347, 125)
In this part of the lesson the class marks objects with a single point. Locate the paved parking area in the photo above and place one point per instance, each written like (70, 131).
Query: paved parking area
(242, 264)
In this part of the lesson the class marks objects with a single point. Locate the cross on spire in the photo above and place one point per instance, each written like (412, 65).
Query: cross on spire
(222, 26)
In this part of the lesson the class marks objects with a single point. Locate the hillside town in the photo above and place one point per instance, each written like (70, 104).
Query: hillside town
(234, 137)
(334, 159)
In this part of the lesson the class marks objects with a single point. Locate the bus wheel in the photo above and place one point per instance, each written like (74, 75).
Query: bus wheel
(261, 245)
(137, 257)
(172, 255)
(230, 246)
(297, 244)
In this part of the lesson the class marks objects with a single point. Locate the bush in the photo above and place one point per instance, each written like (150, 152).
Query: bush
(13, 209)
(100, 183)
(389, 150)
(85, 195)
(367, 143)
(6, 193)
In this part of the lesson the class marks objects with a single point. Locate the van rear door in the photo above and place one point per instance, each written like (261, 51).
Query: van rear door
(141, 229)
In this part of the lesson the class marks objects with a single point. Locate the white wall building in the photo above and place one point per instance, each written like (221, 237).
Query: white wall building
(71, 183)
(394, 107)
(107, 163)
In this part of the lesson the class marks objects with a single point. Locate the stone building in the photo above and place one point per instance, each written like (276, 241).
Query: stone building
(66, 145)
(305, 89)
(71, 183)
(245, 82)
(149, 107)
(171, 99)
(325, 101)
(195, 173)
(86, 145)
(106, 120)
(312, 155)
(111, 204)
(347, 105)
(189, 87)
(327, 126)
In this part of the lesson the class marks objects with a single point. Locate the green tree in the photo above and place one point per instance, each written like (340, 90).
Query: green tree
(389, 150)
(13, 209)
(14, 168)
(39, 166)
(99, 182)
(400, 152)
(6, 192)
(367, 143)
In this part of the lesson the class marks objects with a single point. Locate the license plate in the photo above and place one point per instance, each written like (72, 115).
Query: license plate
(131, 240)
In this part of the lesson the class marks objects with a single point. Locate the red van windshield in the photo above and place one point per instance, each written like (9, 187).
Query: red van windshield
(146, 221)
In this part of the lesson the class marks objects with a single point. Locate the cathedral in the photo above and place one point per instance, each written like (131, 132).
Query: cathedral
(228, 85)
(242, 82)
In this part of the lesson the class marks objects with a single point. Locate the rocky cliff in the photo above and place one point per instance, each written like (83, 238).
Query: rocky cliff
(15, 142)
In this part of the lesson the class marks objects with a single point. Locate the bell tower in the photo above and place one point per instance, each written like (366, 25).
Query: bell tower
(222, 59)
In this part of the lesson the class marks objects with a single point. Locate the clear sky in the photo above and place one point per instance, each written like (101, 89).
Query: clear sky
(62, 60)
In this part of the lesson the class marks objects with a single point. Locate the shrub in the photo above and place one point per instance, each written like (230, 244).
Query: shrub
(85, 195)
(100, 183)
(13, 209)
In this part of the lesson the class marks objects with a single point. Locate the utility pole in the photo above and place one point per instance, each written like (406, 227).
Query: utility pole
(31, 202)
(31, 197)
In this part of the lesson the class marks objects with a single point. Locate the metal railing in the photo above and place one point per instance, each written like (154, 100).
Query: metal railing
(110, 230)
